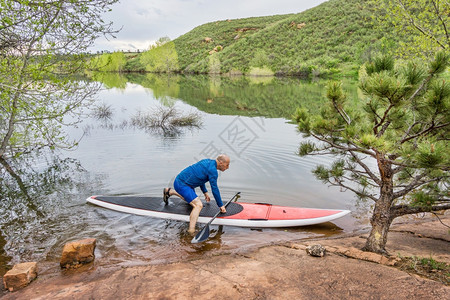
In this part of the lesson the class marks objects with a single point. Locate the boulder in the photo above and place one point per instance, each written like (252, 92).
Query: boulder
(316, 250)
(20, 276)
(76, 253)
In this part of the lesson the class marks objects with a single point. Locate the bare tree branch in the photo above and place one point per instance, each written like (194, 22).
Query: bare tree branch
(444, 25)
(418, 27)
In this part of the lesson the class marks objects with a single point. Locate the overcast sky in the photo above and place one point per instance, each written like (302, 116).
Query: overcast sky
(145, 21)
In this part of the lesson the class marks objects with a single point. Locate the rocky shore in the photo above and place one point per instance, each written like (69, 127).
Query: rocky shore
(280, 271)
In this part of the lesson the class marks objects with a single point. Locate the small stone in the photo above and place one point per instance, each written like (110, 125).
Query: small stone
(20, 276)
(316, 250)
(76, 253)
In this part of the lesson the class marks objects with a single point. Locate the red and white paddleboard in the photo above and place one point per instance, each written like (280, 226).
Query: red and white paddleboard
(238, 213)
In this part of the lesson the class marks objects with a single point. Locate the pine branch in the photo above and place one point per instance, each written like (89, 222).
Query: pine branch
(342, 113)
(398, 169)
(408, 131)
(343, 148)
(401, 210)
(362, 195)
(440, 220)
(375, 129)
(424, 131)
(374, 112)
(361, 175)
(417, 182)
(383, 129)
(366, 168)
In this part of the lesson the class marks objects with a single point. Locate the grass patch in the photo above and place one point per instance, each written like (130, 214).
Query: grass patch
(426, 267)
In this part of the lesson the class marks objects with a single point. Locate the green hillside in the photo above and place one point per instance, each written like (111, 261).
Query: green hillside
(334, 37)
(322, 40)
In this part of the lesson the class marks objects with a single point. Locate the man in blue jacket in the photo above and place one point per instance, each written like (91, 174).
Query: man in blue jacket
(194, 176)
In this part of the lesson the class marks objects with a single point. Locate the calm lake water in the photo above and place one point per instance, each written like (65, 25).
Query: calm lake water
(246, 118)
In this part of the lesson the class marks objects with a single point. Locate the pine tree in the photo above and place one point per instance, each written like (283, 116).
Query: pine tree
(391, 148)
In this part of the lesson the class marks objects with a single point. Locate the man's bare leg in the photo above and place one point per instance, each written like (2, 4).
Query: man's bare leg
(197, 206)
(172, 192)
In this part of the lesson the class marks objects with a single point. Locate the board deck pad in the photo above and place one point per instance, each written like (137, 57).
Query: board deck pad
(175, 206)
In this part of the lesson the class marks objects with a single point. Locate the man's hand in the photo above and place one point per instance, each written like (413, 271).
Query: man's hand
(223, 209)
(207, 198)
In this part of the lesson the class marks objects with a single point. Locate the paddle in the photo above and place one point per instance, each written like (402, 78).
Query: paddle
(204, 233)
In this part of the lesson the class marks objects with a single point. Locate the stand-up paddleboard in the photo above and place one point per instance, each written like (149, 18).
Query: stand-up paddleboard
(238, 213)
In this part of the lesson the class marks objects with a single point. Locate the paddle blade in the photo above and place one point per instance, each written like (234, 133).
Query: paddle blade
(203, 235)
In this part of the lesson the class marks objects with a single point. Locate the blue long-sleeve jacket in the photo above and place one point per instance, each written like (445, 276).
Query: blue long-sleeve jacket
(199, 173)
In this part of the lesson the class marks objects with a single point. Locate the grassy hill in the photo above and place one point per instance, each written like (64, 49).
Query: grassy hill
(332, 38)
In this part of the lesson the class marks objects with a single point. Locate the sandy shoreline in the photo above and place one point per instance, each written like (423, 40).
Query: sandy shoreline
(270, 272)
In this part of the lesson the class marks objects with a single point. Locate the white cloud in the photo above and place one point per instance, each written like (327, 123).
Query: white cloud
(123, 45)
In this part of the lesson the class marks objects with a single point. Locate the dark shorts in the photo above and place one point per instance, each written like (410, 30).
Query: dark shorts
(185, 191)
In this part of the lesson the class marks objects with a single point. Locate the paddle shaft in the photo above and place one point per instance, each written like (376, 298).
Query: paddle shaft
(218, 213)
(204, 233)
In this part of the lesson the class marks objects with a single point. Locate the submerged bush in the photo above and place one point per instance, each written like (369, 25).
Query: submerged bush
(103, 111)
(166, 120)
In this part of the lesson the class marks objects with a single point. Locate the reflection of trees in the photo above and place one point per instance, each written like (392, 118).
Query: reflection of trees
(110, 79)
(277, 97)
(36, 193)
(165, 87)
(20, 184)
(273, 97)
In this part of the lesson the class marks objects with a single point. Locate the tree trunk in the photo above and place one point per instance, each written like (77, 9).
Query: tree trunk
(380, 221)
(381, 217)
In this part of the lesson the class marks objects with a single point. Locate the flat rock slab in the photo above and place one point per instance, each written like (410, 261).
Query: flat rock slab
(273, 272)
(20, 276)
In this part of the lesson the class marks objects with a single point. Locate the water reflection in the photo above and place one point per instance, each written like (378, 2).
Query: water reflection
(43, 198)
(274, 97)
(37, 195)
